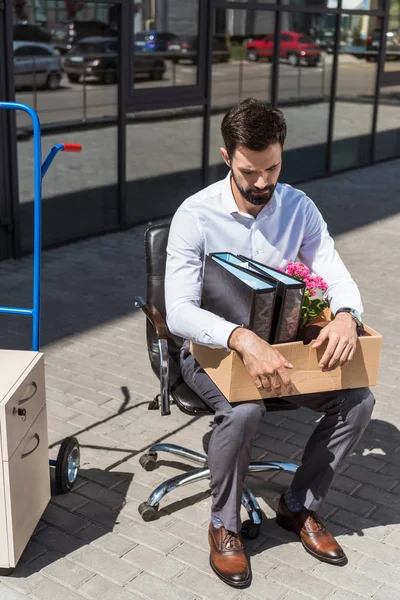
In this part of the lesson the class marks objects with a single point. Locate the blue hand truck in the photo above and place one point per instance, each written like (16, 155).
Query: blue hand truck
(68, 458)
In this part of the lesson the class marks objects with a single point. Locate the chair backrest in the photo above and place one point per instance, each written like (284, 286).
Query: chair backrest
(156, 240)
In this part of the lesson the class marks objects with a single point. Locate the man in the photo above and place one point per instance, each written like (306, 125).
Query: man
(250, 213)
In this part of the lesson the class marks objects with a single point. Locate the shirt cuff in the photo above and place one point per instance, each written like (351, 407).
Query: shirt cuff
(222, 332)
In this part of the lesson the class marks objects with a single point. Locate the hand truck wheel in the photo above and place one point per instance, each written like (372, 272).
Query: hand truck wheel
(67, 466)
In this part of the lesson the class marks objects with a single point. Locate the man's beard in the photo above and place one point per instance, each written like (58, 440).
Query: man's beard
(250, 195)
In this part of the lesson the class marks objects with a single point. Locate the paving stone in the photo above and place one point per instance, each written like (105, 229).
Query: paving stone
(116, 569)
(206, 586)
(154, 588)
(192, 556)
(55, 539)
(51, 590)
(154, 562)
(387, 593)
(68, 522)
(349, 580)
(359, 525)
(24, 578)
(380, 571)
(144, 533)
(302, 582)
(343, 595)
(67, 572)
(116, 544)
(265, 589)
(100, 588)
(7, 593)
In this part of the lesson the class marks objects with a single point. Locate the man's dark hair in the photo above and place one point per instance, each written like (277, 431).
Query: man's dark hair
(254, 125)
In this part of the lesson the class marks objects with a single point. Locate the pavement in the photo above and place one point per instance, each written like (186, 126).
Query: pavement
(92, 543)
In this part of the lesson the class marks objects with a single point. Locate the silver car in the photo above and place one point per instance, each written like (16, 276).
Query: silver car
(36, 66)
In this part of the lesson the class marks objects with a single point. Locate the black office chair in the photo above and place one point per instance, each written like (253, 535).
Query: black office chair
(164, 350)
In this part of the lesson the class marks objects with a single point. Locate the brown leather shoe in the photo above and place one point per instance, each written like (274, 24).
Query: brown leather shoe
(315, 538)
(228, 559)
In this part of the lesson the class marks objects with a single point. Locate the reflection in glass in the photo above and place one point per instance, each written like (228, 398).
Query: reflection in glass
(305, 74)
(68, 80)
(163, 161)
(356, 82)
(166, 43)
(387, 143)
(243, 75)
(239, 76)
(66, 58)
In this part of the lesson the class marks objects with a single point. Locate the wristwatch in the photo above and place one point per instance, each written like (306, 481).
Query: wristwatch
(353, 313)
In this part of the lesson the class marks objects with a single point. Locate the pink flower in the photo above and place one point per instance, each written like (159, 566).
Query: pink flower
(300, 271)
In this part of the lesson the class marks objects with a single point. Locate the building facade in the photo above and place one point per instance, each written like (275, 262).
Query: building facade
(148, 111)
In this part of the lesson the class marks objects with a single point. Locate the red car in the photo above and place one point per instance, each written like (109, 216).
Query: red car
(293, 46)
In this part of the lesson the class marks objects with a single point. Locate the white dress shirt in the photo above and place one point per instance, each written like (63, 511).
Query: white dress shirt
(288, 228)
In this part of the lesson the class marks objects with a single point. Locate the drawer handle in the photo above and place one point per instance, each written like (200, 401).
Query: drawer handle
(37, 438)
(35, 389)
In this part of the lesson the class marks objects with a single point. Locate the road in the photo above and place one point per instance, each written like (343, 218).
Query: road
(231, 82)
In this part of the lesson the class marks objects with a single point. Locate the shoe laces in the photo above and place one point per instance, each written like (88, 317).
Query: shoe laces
(231, 541)
(318, 524)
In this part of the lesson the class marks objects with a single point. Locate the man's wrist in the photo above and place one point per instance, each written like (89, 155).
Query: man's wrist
(236, 337)
(352, 313)
(346, 317)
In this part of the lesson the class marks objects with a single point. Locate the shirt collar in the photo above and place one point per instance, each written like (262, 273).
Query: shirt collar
(229, 201)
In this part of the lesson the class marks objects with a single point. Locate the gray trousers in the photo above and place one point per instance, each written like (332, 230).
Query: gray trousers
(346, 415)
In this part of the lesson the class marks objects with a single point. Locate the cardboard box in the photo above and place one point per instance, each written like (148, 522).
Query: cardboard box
(230, 375)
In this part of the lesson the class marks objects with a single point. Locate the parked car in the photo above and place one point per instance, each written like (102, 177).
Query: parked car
(293, 46)
(67, 33)
(36, 65)
(188, 50)
(99, 57)
(157, 41)
(392, 44)
(31, 33)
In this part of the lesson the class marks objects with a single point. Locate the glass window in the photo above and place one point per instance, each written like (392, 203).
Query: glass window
(79, 80)
(79, 190)
(241, 69)
(163, 161)
(327, 3)
(305, 74)
(166, 43)
(355, 92)
(363, 4)
(387, 142)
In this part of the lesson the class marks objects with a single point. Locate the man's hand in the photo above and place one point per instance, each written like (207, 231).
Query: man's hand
(342, 336)
(266, 366)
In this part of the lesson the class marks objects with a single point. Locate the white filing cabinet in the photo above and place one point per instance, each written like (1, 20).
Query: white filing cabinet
(24, 458)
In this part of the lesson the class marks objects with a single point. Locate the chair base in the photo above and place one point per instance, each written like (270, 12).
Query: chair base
(148, 510)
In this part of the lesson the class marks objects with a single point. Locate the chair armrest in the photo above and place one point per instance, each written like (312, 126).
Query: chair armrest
(159, 325)
(154, 317)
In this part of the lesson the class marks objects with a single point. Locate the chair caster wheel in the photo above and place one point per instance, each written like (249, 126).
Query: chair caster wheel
(148, 461)
(250, 531)
(148, 512)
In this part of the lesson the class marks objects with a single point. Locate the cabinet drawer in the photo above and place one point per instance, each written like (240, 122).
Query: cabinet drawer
(27, 486)
(21, 407)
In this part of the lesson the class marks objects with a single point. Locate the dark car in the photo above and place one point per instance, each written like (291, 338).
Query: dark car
(99, 58)
(188, 50)
(392, 44)
(156, 41)
(31, 33)
(67, 33)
